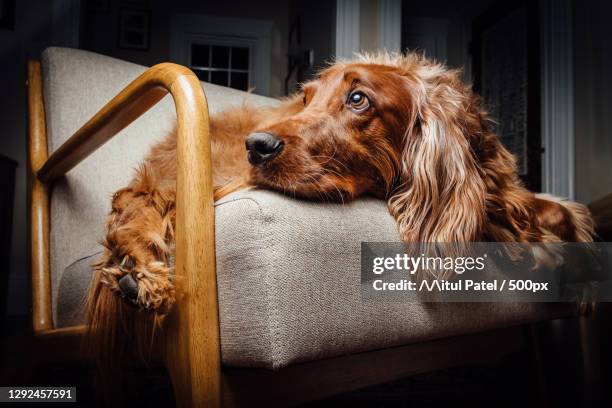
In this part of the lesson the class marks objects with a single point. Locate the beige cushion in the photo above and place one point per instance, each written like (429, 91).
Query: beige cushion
(289, 285)
(288, 271)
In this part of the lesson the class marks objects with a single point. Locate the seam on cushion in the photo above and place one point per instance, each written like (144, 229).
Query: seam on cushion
(273, 320)
(273, 325)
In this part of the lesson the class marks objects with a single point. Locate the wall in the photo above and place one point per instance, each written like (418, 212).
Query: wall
(457, 16)
(31, 34)
(317, 29)
(368, 26)
(593, 99)
(592, 79)
(100, 30)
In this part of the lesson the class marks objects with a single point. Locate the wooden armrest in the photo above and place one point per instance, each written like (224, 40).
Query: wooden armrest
(192, 350)
(133, 101)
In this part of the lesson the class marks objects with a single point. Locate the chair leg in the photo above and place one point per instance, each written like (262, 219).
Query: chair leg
(195, 374)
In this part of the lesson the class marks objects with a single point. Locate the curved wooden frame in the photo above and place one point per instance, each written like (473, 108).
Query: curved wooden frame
(192, 348)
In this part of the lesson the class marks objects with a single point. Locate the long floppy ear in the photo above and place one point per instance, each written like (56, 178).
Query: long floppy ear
(440, 196)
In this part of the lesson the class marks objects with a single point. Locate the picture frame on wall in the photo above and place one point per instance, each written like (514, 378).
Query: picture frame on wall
(7, 14)
(134, 29)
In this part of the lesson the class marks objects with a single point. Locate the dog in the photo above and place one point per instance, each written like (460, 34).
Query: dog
(399, 127)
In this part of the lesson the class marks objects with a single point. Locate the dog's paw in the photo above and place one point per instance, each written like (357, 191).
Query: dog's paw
(147, 286)
(138, 264)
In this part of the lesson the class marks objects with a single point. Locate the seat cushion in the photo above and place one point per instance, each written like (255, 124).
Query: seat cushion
(288, 271)
(288, 274)
(289, 283)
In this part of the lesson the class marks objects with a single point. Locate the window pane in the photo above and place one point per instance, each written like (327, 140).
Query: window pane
(202, 75)
(219, 77)
(240, 58)
(240, 80)
(200, 55)
(220, 57)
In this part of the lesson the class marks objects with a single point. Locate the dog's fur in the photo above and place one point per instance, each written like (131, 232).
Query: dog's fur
(423, 144)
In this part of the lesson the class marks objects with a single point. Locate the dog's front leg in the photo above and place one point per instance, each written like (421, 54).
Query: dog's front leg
(138, 261)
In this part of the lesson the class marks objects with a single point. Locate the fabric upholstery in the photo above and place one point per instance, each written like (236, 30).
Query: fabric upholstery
(288, 271)
(289, 284)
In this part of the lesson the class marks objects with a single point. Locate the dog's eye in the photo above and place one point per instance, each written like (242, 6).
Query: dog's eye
(358, 101)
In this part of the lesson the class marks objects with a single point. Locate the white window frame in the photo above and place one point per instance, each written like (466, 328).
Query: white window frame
(225, 42)
(187, 29)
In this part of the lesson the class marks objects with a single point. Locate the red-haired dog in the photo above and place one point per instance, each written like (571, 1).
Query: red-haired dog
(398, 127)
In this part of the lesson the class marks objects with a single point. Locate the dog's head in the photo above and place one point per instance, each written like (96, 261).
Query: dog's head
(396, 127)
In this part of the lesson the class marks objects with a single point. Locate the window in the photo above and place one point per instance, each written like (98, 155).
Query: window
(222, 64)
(232, 52)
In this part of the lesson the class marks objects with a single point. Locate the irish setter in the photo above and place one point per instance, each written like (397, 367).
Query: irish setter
(398, 127)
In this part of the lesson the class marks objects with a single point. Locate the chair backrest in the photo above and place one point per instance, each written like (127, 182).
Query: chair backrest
(76, 85)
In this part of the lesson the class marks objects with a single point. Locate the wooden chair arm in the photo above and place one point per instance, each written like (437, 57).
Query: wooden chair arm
(133, 101)
(192, 349)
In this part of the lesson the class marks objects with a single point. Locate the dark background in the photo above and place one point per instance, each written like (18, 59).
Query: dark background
(483, 37)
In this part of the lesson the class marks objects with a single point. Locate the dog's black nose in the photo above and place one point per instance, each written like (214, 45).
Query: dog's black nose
(262, 147)
(128, 287)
